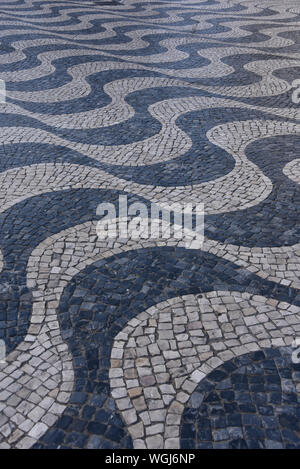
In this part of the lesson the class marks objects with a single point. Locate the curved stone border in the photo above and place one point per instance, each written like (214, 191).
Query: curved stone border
(160, 356)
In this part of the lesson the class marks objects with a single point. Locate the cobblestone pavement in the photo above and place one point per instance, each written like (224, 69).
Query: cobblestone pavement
(144, 343)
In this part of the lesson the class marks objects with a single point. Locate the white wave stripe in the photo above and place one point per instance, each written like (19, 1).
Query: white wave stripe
(85, 23)
(21, 46)
(279, 9)
(269, 85)
(78, 72)
(46, 58)
(108, 33)
(202, 24)
(280, 12)
(236, 30)
(118, 110)
(200, 5)
(26, 28)
(179, 364)
(172, 54)
(64, 15)
(43, 6)
(250, 8)
(215, 69)
(153, 149)
(99, 13)
(231, 192)
(46, 68)
(169, 143)
(84, 26)
(274, 41)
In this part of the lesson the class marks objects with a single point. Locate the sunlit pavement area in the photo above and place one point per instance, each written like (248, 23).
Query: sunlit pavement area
(142, 342)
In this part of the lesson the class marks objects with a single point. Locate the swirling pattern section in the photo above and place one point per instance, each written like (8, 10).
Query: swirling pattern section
(147, 343)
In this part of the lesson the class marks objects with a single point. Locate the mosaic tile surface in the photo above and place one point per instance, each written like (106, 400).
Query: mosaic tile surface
(143, 343)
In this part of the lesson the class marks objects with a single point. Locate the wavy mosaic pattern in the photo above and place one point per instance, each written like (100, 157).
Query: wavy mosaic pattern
(145, 343)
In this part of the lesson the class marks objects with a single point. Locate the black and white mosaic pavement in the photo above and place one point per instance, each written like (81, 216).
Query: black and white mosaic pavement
(144, 343)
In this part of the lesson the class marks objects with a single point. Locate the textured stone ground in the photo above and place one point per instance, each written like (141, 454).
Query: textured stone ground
(143, 343)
